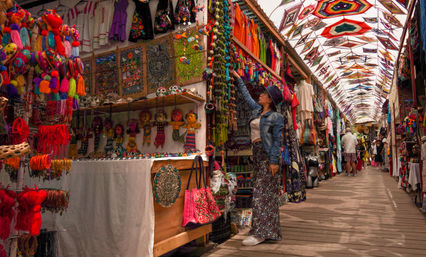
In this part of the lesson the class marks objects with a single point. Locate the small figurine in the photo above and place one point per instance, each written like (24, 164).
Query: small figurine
(109, 133)
(145, 123)
(191, 126)
(133, 129)
(119, 139)
(177, 122)
(175, 90)
(160, 122)
(161, 91)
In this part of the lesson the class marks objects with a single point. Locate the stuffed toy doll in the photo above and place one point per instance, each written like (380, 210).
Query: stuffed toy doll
(119, 139)
(109, 133)
(177, 122)
(145, 123)
(191, 126)
(97, 127)
(132, 130)
(160, 122)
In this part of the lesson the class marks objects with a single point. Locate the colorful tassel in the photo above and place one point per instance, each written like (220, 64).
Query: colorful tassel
(75, 50)
(81, 90)
(44, 87)
(74, 103)
(65, 85)
(6, 36)
(25, 38)
(54, 85)
(36, 82)
(14, 35)
(72, 87)
(51, 40)
(59, 46)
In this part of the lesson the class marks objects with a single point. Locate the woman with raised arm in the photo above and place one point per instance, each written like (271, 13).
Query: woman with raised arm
(266, 126)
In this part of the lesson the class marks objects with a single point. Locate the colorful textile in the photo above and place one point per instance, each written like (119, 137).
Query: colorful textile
(295, 175)
(190, 142)
(141, 23)
(266, 214)
(118, 27)
(164, 17)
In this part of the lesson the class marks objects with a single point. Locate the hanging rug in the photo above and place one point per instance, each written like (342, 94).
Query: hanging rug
(167, 185)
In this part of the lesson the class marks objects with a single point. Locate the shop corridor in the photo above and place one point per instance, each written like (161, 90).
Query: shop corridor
(365, 215)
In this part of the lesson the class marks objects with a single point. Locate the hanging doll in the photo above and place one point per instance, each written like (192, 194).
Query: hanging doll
(84, 136)
(145, 123)
(119, 139)
(109, 133)
(160, 122)
(97, 127)
(177, 122)
(133, 129)
(191, 126)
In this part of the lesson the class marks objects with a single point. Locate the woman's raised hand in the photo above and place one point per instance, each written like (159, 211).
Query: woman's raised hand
(235, 74)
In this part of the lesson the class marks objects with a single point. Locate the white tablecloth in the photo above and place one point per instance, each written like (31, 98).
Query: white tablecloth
(414, 175)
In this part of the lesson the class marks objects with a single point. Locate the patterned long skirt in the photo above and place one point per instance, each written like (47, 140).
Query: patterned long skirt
(266, 214)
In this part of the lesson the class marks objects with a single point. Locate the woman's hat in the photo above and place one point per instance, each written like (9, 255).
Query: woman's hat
(275, 94)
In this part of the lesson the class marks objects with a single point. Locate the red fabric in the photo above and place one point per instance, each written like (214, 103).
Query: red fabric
(294, 105)
(273, 55)
(29, 216)
(238, 23)
(7, 202)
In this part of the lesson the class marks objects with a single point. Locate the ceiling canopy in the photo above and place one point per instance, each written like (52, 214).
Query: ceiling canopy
(350, 45)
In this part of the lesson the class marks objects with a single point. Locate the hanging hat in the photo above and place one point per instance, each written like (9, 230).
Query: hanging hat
(167, 186)
(275, 93)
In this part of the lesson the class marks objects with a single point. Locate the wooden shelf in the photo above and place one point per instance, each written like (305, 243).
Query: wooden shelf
(244, 188)
(169, 100)
(246, 152)
(247, 51)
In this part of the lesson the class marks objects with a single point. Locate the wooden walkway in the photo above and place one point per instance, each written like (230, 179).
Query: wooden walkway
(365, 215)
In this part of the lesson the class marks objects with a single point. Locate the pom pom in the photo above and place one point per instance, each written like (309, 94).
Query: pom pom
(65, 85)
(59, 46)
(81, 90)
(14, 34)
(75, 44)
(54, 85)
(43, 33)
(20, 80)
(14, 83)
(36, 82)
(6, 30)
(6, 79)
(11, 91)
(44, 87)
(72, 87)
(54, 73)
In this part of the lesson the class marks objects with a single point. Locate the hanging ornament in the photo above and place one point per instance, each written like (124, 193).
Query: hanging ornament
(176, 123)
(145, 123)
(191, 126)
(132, 130)
(160, 122)
(120, 151)
(109, 133)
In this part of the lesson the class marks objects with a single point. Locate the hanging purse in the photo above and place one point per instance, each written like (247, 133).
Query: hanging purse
(199, 206)
(206, 209)
(309, 135)
(188, 208)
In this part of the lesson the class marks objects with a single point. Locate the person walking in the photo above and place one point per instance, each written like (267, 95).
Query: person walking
(380, 150)
(266, 126)
(349, 143)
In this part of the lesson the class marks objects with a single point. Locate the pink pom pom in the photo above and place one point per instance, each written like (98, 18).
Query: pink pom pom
(65, 85)
(16, 38)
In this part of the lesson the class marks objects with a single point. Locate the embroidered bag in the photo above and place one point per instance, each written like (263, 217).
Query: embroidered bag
(188, 208)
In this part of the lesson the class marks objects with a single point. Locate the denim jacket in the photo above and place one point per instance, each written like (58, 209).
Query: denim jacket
(271, 125)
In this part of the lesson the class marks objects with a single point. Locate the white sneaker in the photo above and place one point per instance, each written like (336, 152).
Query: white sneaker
(252, 240)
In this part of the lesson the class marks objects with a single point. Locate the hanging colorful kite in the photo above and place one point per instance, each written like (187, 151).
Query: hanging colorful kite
(345, 27)
(335, 8)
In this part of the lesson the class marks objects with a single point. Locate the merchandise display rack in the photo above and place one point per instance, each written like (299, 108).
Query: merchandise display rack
(168, 100)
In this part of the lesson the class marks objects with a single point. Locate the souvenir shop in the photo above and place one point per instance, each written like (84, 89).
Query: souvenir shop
(118, 114)
(405, 117)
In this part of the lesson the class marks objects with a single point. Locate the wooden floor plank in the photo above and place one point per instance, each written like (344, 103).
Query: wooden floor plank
(365, 215)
